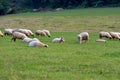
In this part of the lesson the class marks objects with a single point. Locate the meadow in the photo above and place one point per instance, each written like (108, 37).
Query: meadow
(64, 61)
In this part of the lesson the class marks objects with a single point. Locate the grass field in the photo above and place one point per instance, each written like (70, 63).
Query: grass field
(65, 61)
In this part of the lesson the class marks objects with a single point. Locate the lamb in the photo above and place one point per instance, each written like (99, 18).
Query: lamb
(1, 34)
(18, 35)
(58, 40)
(115, 35)
(84, 36)
(37, 44)
(40, 32)
(105, 34)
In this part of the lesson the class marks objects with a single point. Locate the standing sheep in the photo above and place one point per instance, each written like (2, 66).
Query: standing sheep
(26, 39)
(40, 32)
(37, 44)
(115, 35)
(1, 34)
(84, 36)
(8, 31)
(47, 32)
(58, 40)
(18, 35)
(105, 34)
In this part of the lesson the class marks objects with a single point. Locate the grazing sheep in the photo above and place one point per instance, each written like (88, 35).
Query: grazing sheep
(58, 40)
(37, 44)
(8, 31)
(40, 32)
(27, 32)
(1, 34)
(84, 36)
(105, 34)
(115, 35)
(100, 40)
(18, 35)
(26, 39)
(30, 33)
(47, 32)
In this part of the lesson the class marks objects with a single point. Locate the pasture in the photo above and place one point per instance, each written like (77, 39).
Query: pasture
(64, 61)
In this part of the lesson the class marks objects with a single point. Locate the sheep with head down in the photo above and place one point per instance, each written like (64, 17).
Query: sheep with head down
(115, 35)
(83, 36)
(40, 32)
(18, 35)
(105, 34)
(27, 32)
(1, 34)
(26, 39)
(58, 40)
(47, 32)
(37, 44)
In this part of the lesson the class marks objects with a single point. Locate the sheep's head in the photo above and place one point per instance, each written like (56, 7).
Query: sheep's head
(62, 39)
(46, 46)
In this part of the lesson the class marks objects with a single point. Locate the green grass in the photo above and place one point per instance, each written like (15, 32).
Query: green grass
(65, 61)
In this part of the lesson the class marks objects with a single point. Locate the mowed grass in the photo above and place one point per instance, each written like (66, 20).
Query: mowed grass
(91, 20)
(64, 61)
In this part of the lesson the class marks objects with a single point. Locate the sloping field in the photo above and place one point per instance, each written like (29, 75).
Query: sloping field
(93, 20)
(64, 61)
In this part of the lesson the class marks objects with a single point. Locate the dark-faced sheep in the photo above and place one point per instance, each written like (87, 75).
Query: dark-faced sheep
(58, 40)
(105, 34)
(84, 36)
(37, 44)
(18, 35)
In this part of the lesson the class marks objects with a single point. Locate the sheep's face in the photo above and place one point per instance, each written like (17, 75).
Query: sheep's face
(46, 46)
(62, 40)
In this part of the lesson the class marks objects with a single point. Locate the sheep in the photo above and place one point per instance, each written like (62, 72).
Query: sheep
(83, 36)
(100, 40)
(18, 35)
(8, 31)
(27, 32)
(1, 34)
(58, 40)
(47, 32)
(115, 35)
(40, 32)
(37, 44)
(26, 39)
(105, 34)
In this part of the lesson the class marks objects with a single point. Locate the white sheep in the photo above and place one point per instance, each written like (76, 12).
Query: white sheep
(26, 39)
(1, 34)
(105, 34)
(58, 40)
(47, 32)
(40, 32)
(37, 44)
(25, 31)
(18, 35)
(8, 31)
(84, 36)
(115, 35)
